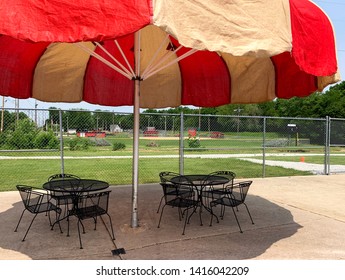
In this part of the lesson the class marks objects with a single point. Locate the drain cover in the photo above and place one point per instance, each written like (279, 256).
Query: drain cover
(119, 251)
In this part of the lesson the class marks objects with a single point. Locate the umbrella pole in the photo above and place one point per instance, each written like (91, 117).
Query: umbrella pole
(135, 175)
(136, 111)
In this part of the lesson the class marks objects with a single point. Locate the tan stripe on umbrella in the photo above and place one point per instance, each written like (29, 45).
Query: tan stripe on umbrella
(263, 29)
(59, 75)
(322, 82)
(164, 88)
(252, 79)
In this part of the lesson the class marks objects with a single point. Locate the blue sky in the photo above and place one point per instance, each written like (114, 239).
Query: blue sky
(334, 9)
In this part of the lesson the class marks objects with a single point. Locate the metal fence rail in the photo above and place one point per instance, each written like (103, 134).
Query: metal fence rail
(99, 144)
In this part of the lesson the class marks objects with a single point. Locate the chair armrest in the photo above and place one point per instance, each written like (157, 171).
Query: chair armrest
(42, 192)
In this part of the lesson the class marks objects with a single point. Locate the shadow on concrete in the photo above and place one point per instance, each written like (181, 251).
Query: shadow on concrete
(221, 241)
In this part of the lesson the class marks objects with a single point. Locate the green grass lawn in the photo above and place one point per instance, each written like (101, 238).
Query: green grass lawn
(119, 171)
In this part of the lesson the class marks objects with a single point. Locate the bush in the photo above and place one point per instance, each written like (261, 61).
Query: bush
(152, 144)
(3, 137)
(193, 142)
(118, 146)
(99, 142)
(45, 140)
(77, 144)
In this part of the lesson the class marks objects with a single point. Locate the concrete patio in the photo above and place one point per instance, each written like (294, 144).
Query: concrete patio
(299, 218)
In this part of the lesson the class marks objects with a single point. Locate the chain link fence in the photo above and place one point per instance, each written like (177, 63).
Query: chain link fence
(36, 143)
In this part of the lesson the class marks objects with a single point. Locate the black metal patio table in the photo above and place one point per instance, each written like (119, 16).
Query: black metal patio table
(199, 182)
(74, 188)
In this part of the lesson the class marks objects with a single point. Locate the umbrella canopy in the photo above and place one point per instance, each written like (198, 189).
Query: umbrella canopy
(249, 53)
(170, 52)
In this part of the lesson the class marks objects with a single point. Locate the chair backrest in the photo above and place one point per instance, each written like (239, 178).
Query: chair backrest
(93, 204)
(166, 176)
(31, 199)
(227, 174)
(176, 190)
(62, 176)
(239, 190)
(169, 189)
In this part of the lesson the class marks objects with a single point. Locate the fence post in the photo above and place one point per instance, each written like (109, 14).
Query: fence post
(61, 143)
(2, 114)
(181, 161)
(264, 149)
(327, 146)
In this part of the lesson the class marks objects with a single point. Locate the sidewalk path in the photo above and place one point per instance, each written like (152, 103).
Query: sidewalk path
(316, 169)
(173, 156)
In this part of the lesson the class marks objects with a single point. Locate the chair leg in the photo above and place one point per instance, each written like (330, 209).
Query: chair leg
(236, 219)
(194, 210)
(160, 203)
(250, 216)
(29, 227)
(212, 214)
(50, 221)
(160, 218)
(60, 226)
(185, 220)
(81, 245)
(67, 226)
(21, 216)
(111, 226)
(82, 226)
(200, 210)
(57, 220)
(95, 222)
(222, 211)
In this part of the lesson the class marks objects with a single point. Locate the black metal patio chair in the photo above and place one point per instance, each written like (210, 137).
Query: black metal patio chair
(184, 198)
(92, 205)
(235, 197)
(213, 192)
(62, 199)
(35, 201)
(170, 192)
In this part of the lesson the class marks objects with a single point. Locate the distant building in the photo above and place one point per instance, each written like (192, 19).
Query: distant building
(97, 134)
(115, 128)
(72, 131)
(151, 131)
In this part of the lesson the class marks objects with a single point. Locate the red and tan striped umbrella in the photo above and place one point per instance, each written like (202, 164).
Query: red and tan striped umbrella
(248, 53)
(164, 53)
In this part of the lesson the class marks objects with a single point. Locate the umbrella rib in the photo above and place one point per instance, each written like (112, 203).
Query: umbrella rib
(190, 52)
(102, 59)
(162, 59)
(149, 66)
(125, 58)
(113, 58)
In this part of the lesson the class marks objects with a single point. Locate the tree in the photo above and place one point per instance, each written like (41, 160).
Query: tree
(102, 119)
(23, 136)
(317, 105)
(79, 120)
(9, 121)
